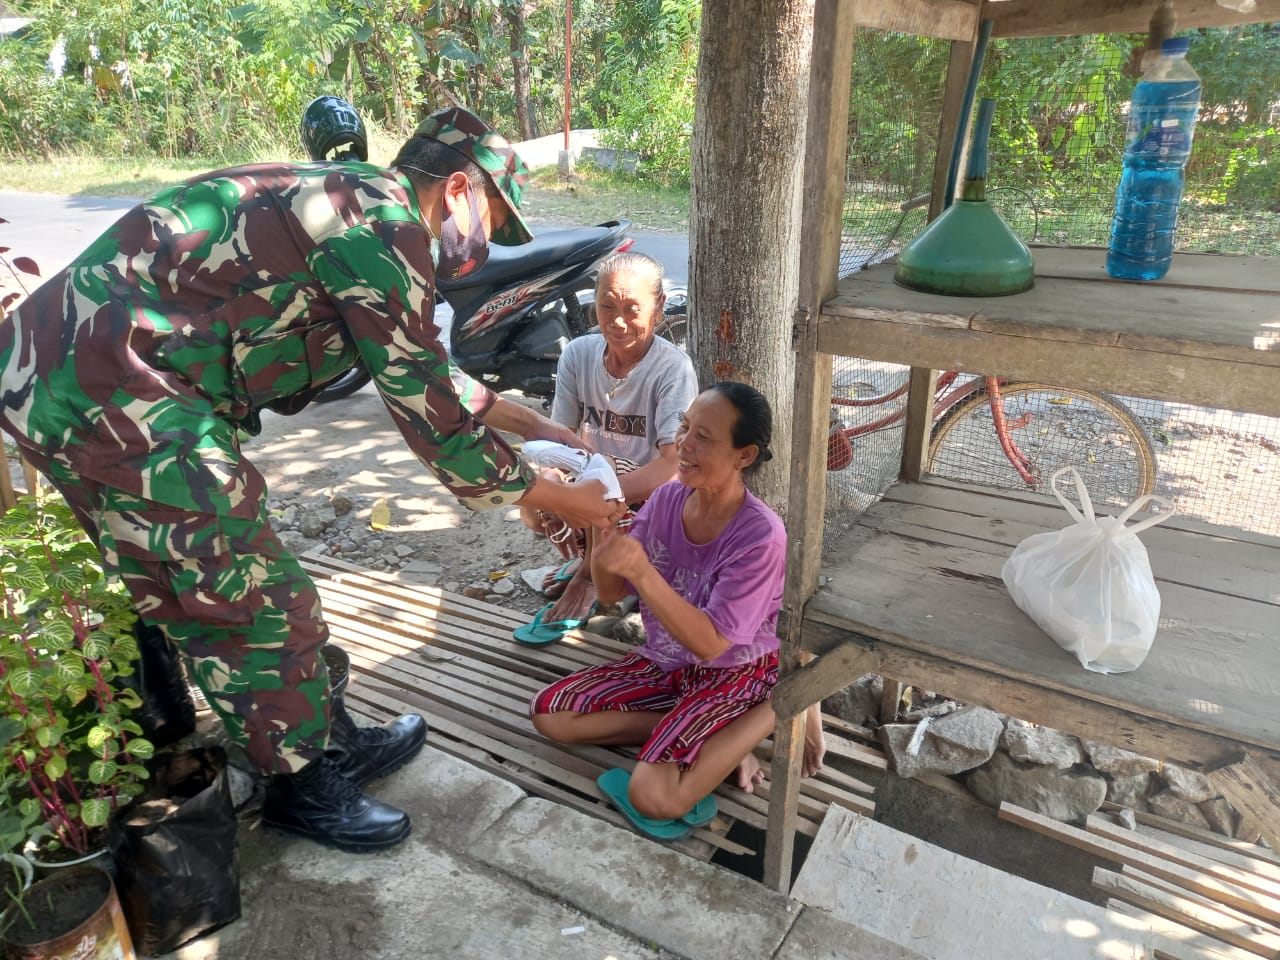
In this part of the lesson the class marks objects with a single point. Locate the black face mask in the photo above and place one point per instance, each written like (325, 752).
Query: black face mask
(459, 255)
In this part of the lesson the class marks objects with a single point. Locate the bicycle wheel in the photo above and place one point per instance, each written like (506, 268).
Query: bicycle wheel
(1055, 427)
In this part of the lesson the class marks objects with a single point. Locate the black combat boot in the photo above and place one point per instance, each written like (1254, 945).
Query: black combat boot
(366, 753)
(320, 803)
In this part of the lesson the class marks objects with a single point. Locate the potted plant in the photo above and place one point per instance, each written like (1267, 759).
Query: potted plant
(71, 753)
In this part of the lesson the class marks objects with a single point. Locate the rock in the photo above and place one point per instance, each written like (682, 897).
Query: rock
(933, 710)
(858, 702)
(1166, 803)
(424, 571)
(310, 525)
(1126, 819)
(295, 542)
(1130, 791)
(503, 587)
(1188, 784)
(288, 518)
(342, 504)
(1117, 762)
(957, 742)
(602, 625)
(1067, 795)
(1042, 745)
(475, 592)
(1221, 816)
(404, 551)
(630, 629)
(534, 577)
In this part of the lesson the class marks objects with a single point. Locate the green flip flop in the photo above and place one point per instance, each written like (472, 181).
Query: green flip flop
(614, 783)
(539, 632)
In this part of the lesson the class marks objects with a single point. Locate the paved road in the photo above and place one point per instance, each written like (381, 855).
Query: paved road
(51, 229)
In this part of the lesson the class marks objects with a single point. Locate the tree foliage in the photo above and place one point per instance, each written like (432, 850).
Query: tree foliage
(229, 78)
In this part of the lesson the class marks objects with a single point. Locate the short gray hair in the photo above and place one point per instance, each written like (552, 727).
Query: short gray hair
(632, 262)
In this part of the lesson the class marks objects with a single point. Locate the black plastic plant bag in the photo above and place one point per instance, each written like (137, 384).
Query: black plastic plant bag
(167, 713)
(175, 851)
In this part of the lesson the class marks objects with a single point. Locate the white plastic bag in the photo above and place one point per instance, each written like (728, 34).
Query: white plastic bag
(1089, 586)
(579, 464)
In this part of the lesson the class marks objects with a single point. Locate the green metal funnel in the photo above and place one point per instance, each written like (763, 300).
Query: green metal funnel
(969, 251)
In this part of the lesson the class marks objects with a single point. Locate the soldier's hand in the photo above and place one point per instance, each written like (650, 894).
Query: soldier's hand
(587, 507)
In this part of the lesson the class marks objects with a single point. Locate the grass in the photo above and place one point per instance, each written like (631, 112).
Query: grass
(588, 196)
(873, 216)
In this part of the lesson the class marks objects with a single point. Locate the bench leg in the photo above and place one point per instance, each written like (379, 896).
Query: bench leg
(784, 797)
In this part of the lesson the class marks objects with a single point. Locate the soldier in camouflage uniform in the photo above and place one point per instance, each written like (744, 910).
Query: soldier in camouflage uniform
(127, 377)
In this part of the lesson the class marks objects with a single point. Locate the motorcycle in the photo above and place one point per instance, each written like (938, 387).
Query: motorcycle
(514, 316)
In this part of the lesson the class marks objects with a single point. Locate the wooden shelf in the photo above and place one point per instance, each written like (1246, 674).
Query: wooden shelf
(919, 583)
(1208, 333)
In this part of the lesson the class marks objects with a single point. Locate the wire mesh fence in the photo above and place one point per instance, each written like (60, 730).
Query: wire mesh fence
(1056, 145)
(1055, 160)
(1219, 466)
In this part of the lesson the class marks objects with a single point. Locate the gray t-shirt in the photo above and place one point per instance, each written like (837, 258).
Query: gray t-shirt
(640, 414)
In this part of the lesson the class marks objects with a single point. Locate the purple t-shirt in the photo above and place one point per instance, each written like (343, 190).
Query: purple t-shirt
(736, 579)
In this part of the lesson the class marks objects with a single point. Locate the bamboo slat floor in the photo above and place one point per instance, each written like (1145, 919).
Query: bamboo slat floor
(421, 649)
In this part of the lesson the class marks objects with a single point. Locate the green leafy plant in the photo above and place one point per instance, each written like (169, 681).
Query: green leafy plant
(15, 266)
(69, 751)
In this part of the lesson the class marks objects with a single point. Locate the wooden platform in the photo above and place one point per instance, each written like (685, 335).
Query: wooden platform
(421, 649)
(919, 581)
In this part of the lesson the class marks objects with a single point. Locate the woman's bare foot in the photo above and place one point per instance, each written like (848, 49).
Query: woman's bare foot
(553, 584)
(576, 600)
(749, 773)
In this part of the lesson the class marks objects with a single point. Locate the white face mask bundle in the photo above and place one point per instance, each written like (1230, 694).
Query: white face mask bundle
(1089, 586)
(579, 464)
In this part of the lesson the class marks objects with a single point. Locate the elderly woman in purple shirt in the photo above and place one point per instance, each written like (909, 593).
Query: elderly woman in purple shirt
(707, 559)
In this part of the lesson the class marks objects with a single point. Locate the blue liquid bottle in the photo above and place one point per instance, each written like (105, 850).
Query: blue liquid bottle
(1162, 123)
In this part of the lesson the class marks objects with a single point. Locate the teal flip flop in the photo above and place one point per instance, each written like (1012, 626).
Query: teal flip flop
(614, 783)
(539, 632)
(703, 812)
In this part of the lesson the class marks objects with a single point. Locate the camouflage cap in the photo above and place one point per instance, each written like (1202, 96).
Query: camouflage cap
(477, 141)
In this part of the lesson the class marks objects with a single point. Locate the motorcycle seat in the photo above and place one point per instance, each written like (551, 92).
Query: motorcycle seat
(549, 248)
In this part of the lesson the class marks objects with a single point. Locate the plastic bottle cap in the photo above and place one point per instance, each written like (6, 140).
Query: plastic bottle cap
(1175, 45)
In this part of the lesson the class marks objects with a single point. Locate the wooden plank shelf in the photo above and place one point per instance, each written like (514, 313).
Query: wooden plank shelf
(919, 583)
(452, 659)
(1208, 333)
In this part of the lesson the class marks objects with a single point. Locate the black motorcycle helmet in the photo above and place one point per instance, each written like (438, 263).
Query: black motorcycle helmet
(332, 130)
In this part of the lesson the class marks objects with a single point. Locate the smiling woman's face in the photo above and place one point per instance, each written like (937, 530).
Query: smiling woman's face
(627, 312)
(705, 454)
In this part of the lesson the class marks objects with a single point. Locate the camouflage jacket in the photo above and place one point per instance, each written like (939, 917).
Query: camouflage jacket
(238, 290)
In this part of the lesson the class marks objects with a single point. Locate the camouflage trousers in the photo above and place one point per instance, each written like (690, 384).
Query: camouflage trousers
(237, 605)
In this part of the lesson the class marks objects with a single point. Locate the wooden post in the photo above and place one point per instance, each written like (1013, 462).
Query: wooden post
(958, 65)
(8, 499)
(915, 444)
(30, 475)
(826, 149)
